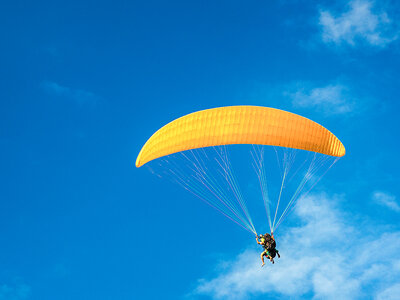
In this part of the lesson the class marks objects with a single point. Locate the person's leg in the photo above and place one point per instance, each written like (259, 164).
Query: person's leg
(262, 259)
(268, 255)
(271, 259)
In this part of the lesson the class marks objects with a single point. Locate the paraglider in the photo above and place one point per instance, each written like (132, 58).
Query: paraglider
(193, 151)
(269, 244)
(240, 125)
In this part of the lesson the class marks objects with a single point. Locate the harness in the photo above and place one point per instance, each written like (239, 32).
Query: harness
(268, 242)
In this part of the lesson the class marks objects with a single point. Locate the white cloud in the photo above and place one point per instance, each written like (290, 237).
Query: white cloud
(386, 199)
(330, 256)
(391, 293)
(331, 99)
(359, 23)
(80, 96)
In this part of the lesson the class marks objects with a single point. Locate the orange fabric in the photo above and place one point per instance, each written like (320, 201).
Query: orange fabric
(240, 125)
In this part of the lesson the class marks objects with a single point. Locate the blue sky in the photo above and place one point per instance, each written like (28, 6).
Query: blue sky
(85, 83)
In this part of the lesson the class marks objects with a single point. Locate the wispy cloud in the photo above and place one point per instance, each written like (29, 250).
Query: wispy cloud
(14, 292)
(328, 257)
(391, 293)
(386, 199)
(77, 95)
(332, 99)
(360, 23)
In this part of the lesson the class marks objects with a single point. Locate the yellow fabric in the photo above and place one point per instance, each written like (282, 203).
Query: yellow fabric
(240, 125)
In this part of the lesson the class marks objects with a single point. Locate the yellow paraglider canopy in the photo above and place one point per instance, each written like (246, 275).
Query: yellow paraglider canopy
(240, 125)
